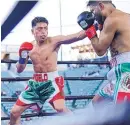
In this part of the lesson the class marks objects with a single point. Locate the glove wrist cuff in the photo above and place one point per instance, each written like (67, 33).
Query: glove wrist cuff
(22, 60)
(91, 32)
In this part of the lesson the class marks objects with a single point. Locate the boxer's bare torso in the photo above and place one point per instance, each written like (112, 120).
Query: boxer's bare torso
(44, 56)
(121, 41)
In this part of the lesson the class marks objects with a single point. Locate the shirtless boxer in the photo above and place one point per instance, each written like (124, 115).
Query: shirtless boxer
(115, 34)
(46, 84)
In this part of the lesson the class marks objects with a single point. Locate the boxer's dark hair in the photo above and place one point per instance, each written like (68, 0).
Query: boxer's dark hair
(95, 2)
(39, 20)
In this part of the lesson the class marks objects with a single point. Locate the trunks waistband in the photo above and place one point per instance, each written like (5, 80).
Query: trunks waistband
(42, 77)
(121, 58)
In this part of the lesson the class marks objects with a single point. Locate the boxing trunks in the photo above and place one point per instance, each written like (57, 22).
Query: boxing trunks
(118, 86)
(41, 88)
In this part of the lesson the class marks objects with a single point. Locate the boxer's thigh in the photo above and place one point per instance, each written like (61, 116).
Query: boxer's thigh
(18, 110)
(121, 80)
(106, 91)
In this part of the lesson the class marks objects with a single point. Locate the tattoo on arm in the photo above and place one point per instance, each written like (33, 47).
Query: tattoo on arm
(114, 52)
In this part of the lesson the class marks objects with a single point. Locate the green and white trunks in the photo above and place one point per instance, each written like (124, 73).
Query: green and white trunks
(118, 86)
(41, 88)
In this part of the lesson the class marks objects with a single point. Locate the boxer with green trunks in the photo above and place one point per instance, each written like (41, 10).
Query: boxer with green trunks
(114, 34)
(118, 78)
(46, 84)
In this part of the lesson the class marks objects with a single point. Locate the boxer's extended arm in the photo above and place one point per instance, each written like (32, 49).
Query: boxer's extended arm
(68, 39)
(102, 43)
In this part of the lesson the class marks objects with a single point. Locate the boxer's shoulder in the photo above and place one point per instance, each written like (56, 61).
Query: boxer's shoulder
(55, 39)
(117, 15)
(109, 23)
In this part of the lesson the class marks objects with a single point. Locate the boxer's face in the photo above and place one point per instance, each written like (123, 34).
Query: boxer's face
(40, 31)
(98, 12)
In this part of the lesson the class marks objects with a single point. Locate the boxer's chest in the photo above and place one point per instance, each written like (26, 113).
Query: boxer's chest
(42, 54)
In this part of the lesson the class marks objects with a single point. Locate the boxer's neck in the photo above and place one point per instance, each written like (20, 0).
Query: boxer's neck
(42, 42)
(109, 11)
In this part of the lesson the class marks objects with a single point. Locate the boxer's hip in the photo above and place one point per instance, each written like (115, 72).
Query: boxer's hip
(53, 77)
(120, 64)
(120, 59)
(42, 77)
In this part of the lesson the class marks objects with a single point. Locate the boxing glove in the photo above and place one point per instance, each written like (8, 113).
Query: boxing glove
(98, 26)
(86, 21)
(23, 51)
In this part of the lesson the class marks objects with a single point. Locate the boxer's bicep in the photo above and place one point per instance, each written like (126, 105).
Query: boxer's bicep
(107, 34)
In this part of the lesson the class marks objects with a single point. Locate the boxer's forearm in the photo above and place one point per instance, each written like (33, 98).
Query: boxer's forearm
(97, 47)
(80, 36)
(68, 39)
(74, 37)
(20, 67)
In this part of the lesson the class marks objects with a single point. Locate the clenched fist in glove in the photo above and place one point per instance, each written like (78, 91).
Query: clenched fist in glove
(23, 51)
(86, 21)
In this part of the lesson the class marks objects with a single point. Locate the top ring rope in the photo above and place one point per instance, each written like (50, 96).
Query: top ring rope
(64, 62)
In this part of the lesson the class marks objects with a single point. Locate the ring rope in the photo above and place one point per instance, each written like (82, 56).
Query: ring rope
(66, 98)
(65, 78)
(64, 62)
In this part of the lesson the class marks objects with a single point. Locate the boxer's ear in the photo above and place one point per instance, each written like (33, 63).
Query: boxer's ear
(101, 5)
